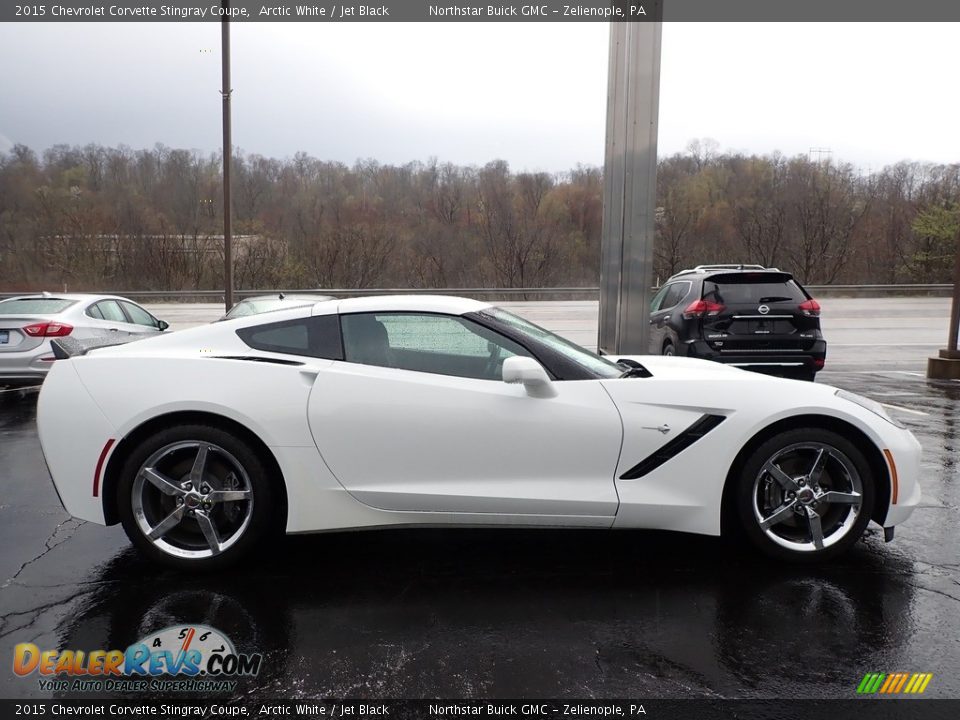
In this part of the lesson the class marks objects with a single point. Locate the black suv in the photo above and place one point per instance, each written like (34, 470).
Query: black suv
(750, 316)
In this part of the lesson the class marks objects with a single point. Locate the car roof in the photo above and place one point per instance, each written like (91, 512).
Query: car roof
(317, 297)
(445, 304)
(704, 271)
(76, 297)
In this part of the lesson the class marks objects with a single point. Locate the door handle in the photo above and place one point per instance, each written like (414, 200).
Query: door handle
(663, 429)
(309, 375)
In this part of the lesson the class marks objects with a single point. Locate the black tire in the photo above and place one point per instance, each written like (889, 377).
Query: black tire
(246, 522)
(765, 497)
(668, 349)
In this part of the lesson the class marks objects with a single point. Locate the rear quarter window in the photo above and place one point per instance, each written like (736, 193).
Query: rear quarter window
(676, 293)
(313, 337)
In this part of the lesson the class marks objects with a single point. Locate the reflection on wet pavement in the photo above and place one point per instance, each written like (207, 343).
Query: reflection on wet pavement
(511, 613)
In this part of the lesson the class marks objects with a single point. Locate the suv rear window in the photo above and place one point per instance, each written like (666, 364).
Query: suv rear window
(752, 289)
(34, 306)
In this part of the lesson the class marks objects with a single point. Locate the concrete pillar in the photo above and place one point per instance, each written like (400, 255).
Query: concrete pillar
(629, 191)
(947, 365)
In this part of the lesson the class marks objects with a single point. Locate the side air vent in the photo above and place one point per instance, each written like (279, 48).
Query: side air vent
(688, 437)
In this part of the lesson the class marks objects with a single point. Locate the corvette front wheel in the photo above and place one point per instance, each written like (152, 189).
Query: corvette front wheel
(805, 495)
(194, 497)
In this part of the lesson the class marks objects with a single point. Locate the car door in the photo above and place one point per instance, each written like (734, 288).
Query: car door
(417, 418)
(107, 315)
(140, 321)
(663, 306)
(656, 321)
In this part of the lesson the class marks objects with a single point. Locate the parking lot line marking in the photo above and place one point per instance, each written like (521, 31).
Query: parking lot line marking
(903, 409)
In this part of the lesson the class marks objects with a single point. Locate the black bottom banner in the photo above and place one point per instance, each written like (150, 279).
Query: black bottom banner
(783, 709)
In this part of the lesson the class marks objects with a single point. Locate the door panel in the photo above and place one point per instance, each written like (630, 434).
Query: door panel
(140, 322)
(415, 441)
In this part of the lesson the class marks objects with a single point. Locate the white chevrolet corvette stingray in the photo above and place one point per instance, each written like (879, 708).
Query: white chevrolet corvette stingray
(419, 410)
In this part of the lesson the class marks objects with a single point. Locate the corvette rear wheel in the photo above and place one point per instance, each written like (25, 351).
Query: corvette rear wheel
(805, 495)
(194, 497)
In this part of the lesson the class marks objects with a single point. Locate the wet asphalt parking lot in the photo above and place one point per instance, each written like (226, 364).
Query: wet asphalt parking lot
(516, 613)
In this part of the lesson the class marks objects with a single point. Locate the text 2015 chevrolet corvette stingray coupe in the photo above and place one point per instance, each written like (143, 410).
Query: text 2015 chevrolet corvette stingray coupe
(411, 410)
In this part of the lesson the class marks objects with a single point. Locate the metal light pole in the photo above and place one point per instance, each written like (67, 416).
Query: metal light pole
(226, 91)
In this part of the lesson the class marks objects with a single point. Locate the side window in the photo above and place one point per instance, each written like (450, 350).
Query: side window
(675, 294)
(110, 310)
(94, 311)
(439, 344)
(658, 298)
(138, 315)
(313, 336)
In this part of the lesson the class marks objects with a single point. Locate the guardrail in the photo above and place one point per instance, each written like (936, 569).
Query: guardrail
(539, 293)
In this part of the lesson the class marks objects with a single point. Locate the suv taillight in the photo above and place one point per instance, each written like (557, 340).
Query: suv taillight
(811, 308)
(51, 329)
(701, 308)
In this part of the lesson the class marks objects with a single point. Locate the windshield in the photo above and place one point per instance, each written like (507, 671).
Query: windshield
(253, 307)
(599, 366)
(34, 306)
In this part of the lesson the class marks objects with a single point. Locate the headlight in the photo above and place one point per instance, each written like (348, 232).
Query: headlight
(871, 405)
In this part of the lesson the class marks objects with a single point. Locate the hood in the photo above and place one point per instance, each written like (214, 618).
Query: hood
(663, 365)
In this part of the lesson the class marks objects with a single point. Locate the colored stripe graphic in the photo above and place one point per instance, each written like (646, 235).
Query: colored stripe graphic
(900, 684)
(894, 683)
(870, 683)
(891, 680)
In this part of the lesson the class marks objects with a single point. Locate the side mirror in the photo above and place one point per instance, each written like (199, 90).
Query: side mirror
(531, 374)
(162, 325)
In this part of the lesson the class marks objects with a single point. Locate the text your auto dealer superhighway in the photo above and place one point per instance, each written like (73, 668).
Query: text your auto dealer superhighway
(143, 11)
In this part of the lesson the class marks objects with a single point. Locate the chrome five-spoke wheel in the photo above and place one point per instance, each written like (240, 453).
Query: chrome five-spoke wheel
(807, 496)
(806, 492)
(196, 497)
(192, 499)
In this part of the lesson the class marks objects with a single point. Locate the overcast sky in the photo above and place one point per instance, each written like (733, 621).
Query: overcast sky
(532, 94)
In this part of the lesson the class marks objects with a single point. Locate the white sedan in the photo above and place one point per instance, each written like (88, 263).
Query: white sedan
(419, 410)
(28, 324)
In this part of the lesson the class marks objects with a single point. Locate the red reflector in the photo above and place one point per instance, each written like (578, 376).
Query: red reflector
(818, 363)
(810, 307)
(699, 308)
(96, 473)
(51, 329)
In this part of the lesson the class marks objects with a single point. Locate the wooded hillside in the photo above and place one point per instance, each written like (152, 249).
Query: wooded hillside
(120, 219)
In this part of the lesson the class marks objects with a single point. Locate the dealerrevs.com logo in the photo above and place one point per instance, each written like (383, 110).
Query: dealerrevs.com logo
(183, 658)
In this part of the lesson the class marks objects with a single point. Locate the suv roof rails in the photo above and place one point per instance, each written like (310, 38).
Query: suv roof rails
(731, 266)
